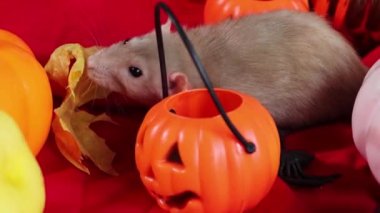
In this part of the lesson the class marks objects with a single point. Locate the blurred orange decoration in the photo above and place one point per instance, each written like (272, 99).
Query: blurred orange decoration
(189, 160)
(217, 10)
(359, 21)
(9, 37)
(25, 92)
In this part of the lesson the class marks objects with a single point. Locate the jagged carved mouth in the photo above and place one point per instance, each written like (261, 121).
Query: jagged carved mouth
(178, 201)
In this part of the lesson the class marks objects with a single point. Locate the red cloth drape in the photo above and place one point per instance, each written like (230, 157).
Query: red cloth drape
(45, 25)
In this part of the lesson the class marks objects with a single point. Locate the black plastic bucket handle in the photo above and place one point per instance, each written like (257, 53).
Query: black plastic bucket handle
(249, 146)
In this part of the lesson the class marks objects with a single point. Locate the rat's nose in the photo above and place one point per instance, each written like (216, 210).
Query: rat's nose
(90, 65)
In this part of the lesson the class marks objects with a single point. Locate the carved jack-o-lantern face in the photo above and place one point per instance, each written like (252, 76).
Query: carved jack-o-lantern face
(189, 160)
(222, 9)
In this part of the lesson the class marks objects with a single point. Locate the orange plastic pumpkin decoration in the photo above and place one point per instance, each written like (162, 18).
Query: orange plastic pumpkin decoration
(217, 10)
(25, 92)
(190, 161)
(359, 21)
(6, 36)
(359, 15)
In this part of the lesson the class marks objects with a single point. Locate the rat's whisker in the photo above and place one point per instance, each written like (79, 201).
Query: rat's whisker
(97, 42)
(88, 89)
(93, 100)
(89, 25)
(119, 105)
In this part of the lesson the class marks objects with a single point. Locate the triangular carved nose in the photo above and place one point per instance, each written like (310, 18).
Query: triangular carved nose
(174, 155)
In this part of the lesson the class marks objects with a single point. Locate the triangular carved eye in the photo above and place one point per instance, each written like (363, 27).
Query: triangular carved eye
(150, 173)
(174, 156)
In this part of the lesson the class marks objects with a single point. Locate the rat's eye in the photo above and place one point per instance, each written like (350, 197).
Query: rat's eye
(135, 72)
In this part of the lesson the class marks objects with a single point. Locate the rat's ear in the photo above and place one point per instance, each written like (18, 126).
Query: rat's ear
(178, 82)
(166, 27)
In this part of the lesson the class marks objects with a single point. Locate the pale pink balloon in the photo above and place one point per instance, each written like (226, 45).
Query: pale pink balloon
(366, 119)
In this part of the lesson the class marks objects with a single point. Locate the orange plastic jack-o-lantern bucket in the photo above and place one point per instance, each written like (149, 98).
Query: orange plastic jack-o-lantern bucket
(218, 10)
(358, 21)
(207, 150)
(190, 161)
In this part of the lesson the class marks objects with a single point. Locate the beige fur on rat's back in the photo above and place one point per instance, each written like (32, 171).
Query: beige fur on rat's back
(302, 70)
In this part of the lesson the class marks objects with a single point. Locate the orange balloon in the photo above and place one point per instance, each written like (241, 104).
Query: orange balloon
(189, 160)
(25, 92)
(218, 10)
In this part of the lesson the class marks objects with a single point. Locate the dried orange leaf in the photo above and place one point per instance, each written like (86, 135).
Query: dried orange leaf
(71, 126)
(66, 65)
(68, 145)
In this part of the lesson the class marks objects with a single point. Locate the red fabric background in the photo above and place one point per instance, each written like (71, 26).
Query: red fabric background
(45, 25)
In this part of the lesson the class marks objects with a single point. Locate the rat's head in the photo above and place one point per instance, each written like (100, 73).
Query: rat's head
(132, 68)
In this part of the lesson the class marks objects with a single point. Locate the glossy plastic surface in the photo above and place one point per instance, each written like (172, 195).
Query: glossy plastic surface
(190, 161)
(25, 92)
(217, 10)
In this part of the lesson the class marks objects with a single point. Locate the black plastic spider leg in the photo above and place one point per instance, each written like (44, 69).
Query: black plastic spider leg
(292, 164)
